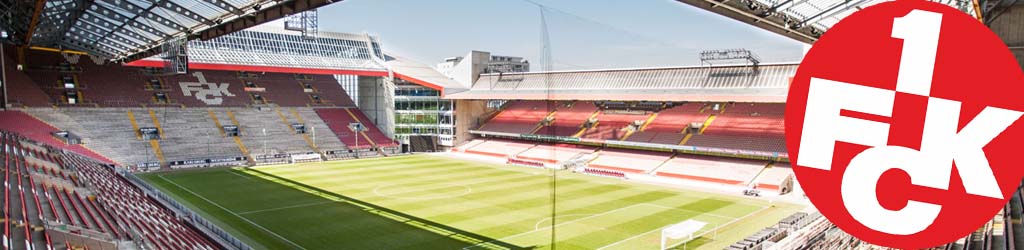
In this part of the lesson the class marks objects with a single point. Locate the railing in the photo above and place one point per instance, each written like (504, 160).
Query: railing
(182, 211)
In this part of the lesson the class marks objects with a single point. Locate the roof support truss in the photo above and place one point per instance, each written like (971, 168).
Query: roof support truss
(145, 12)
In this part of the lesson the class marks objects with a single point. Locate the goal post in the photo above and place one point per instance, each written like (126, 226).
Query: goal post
(683, 231)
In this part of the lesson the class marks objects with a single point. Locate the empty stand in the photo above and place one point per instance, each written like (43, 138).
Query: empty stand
(328, 88)
(469, 144)
(569, 118)
(777, 178)
(281, 89)
(23, 90)
(499, 148)
(668, 126)
(156, 224)
(612, 126)
(278, 138)
(324, 138)
(746, 126)
(376, 135)
(226, 80)
(554, 153)
(629, 161)
(108, 131)
(35, 129)
(338, 120)
(712, 169)
(114, 85)
(190, 134)
(519, 117)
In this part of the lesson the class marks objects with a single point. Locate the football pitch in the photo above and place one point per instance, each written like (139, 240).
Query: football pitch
(437, 202)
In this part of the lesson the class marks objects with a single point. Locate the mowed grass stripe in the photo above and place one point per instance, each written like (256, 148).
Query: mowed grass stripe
(637, 223)
(239, 191)
(234, 225)
(373, 175)
(309, 169)
(373, 204)
(406, 177)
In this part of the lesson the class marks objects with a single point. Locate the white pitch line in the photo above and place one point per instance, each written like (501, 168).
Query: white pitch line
(556, 225)
(240, 175)
(287, 207)
(694, 237)
(229, 211)
(536, 226)
(692, 211)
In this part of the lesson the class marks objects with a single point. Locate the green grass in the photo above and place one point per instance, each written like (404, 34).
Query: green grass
(434, 202)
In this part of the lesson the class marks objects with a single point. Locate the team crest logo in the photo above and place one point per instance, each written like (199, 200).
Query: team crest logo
(903, 122)
(207, 92)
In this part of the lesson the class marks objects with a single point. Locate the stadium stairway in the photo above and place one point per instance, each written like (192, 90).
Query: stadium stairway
(279, 137)
(305, 136)
(654, 170)
(323, 138)
(287, 121)
(189, 134)
(220, 128)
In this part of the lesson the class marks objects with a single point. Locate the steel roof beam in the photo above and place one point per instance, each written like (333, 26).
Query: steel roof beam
(73, 11)
(49, 27)
(225, 6)
(16, 17)
(265, 14)
(112, 27)
(38, 11)
(742, 11)
(181, 10)
(247, 16)
(97, 37)
(146, 13)
(828, 13)
(118, 35)
(83, 36)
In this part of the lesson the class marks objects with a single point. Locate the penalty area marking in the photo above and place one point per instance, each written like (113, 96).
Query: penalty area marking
(465, 190)
(695, 236)
(698, 213)
(537, 225)
(556, 225)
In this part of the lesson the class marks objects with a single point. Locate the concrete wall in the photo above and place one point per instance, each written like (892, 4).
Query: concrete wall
(469, 114)
(377, 101)
(468, 70)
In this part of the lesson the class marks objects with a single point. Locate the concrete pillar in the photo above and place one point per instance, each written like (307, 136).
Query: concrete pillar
(376, 100)
(469, 115)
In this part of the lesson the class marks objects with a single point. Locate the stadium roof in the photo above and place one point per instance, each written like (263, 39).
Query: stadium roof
(421, 74)
(134, 29)
(274, 49)
(740, 83)
(805, 20)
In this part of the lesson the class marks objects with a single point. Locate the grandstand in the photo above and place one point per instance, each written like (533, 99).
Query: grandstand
(263, 138)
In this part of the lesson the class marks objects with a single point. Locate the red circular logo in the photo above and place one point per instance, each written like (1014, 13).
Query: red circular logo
(903, 124)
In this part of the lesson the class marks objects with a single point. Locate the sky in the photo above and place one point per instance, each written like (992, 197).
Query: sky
(584, 34)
